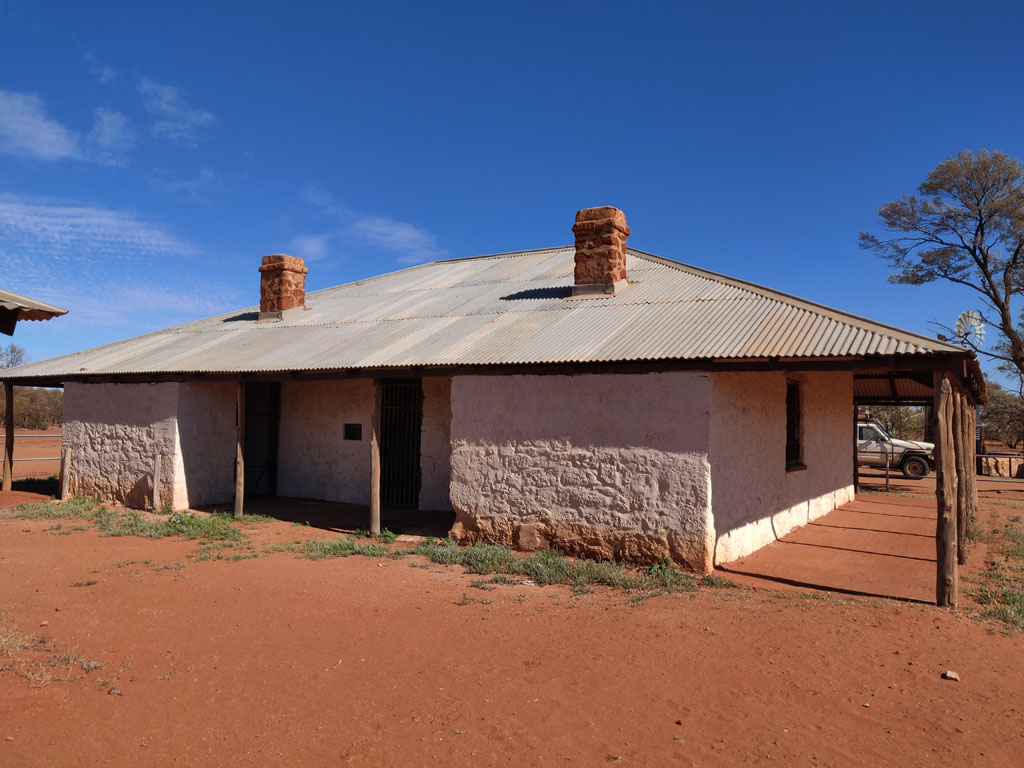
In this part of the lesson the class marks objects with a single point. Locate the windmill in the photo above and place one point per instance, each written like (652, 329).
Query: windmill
(970, 322)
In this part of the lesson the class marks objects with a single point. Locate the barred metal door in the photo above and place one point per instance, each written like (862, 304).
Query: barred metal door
(401, 417)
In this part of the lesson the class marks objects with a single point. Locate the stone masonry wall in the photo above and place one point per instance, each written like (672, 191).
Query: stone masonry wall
(755, 500)
(114, 432)
(435, 445)
(315, 462)
(611, 466)
(206, 436)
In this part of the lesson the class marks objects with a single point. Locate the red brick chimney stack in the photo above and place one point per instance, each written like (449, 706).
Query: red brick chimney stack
(282, 285)
(600, 251)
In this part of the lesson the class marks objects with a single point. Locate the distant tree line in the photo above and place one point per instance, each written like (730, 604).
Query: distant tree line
(34, 407)
(902, 421)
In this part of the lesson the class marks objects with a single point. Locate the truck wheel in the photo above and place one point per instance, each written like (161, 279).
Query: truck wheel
(915, 467)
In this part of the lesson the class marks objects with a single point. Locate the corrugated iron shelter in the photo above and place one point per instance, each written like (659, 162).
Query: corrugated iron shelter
(478, 338)
(14, 308)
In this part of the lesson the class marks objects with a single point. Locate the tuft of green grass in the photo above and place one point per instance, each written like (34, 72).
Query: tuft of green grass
(549, 566)
(1002, 590)
(343, 546)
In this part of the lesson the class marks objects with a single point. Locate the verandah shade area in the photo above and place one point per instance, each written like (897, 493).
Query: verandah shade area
(952, 394)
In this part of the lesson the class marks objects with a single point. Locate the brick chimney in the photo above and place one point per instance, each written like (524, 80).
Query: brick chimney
(600, 252)
(282, 285)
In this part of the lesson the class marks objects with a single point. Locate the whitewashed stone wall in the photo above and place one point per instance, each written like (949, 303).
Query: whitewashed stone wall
(611, 466)
(755, 500)
(314, 461)
(114, 432)
(206, 439)
(435, 445)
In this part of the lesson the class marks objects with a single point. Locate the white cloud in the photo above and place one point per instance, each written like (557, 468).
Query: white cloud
(195, 188)
(176, 119)
(104, 265)
(411, 244)
(310, 247)
(26, 131)
(111, 139)
(44, 226)
(100, 71)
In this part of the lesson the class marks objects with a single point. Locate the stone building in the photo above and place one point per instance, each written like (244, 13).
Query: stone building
(594, 398)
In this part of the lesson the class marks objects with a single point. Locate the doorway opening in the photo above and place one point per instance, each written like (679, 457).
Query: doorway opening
(401, 418)
(262, 421)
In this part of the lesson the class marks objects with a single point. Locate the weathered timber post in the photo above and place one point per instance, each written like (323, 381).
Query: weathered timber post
(8, 435)
(946, 585)
(156, 482)
(239, 449)
(856, 466)
(375, 459)
(972, 472)
(962, 483)
(65, 474)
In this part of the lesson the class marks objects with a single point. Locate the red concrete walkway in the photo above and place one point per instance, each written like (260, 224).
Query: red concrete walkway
(876, 545)
(880, 545)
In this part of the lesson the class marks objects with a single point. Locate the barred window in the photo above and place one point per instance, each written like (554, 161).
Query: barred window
(794, 431)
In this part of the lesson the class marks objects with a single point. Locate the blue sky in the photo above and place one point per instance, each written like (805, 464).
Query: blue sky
(149, 156)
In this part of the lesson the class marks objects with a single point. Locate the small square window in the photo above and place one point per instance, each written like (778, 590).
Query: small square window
(353, 431)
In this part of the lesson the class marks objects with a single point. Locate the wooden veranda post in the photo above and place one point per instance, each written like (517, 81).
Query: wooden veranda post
(972, 463)
(375, 459)
(963, 470)
(239, 449)
(946, 584)
(8, 435)
(156, 482)
(65, 475)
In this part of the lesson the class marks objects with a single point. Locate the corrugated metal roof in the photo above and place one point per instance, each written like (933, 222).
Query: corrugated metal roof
(503, 309)
(29, 309)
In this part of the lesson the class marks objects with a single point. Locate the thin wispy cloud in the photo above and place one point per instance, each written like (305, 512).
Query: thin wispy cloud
(196, 188)
(102, 264)
(412, 244)
(111, 139)
(33, 225)
(311, 247)
(174, 118)
(26, 130)
(409, 243)
(103, 74)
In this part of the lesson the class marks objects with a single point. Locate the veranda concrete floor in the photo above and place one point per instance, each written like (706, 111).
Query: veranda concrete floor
(880, 545)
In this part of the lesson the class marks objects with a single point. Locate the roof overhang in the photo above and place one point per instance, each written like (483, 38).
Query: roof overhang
(14, 308)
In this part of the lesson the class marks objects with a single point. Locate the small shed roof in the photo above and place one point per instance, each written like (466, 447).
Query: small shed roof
(501, 310)
(14, 308)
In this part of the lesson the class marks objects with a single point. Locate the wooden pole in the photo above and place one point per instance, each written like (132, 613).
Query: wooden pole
(239, 449)
(8, 436)
(946, 586)
(65, 474)
(972, 471)
(375, 459)
(856, 467)
(960, 443)
(156, 482)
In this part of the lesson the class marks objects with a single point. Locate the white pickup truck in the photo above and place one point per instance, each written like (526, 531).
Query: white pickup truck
(874, 444)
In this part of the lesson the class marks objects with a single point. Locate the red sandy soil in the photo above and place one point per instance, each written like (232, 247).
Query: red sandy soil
(285, 661)
(28, 444)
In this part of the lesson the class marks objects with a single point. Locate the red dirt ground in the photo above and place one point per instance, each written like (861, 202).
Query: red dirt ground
(29, 443)
(286, 661)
